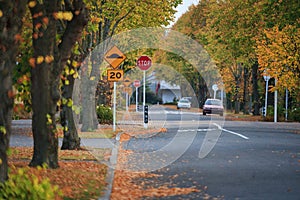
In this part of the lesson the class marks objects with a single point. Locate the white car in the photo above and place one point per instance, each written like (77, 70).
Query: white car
(183, 103)
(187, 98)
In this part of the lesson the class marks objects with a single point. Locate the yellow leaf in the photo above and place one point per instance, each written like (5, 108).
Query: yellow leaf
(58, 15)
(31, 4)
(67, 82)
(67, 71)
(64, 101)
(92, 78)
(1, 13)
(74, 63)
(75, 75)
(70, 103)
(67, 16)
(72, 71)
(40, 59)
(49, 59)
(3, 130)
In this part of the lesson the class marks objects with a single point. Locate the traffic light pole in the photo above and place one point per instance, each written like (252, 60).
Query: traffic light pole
(266, 99)
(144, 99)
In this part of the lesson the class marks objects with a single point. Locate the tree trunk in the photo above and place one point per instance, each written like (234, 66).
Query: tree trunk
(71, 140)
(45, 73)
(10, 27)
(255, 93)
(246, 93)
(89, 84)
(89, 117)
(6, 106)
(44, 93)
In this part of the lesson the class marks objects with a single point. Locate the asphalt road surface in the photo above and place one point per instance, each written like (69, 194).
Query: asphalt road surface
(223, 159)
(243, 160)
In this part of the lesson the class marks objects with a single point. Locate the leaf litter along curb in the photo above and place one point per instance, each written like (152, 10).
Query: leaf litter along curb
(79, 175)
(124, 186)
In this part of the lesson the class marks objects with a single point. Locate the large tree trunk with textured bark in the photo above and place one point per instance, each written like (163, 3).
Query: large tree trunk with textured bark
(10, 28)
(44, 93)
(50, 57)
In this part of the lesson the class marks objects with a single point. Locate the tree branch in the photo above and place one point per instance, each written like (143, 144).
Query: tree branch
(119, 20)
(73, 31)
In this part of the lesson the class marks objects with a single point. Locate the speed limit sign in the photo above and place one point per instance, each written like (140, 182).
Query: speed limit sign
(115, 75)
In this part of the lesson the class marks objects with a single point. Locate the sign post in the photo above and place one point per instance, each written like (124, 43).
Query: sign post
(267, 78)
(127, 90)
(114, 57)
(144, 63)
(136, 84)
(286, 103)
(215, 89)
(275, 102)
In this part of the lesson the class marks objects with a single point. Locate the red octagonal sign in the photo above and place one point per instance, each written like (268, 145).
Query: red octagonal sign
(144, 62)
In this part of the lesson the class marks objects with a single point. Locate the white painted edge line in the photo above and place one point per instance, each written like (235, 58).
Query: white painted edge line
(228, 131)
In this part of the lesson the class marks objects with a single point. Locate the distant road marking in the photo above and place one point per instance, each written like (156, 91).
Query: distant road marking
(198, 130)
(228, 131)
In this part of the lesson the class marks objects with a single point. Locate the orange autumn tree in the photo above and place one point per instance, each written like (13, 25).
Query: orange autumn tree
(279, 54)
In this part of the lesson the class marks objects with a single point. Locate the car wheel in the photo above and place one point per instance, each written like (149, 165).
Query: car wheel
(204, 113)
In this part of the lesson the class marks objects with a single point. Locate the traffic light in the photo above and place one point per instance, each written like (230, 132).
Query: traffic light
(264, 111)
(145, 114)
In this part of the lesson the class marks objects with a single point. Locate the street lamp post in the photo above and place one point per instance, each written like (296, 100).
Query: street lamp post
(267, 78)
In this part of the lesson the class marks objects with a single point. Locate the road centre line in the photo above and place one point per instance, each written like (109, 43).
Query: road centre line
(228, 131)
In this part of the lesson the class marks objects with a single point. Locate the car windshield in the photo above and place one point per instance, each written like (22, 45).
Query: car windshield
(213, 102)
(184, 101)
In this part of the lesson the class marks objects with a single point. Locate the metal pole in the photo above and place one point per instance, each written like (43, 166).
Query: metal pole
(275, 102)
(222, 95)
(136, 99)
(144, 98)
(114, 107)
(286, 103)
(126, 100)
(266, 100)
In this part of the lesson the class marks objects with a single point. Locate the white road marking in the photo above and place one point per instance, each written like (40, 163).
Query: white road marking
(198, 130)
(211, 129)
(228, 131)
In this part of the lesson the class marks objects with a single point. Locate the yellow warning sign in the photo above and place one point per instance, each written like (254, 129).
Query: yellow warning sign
(128, 90)
(115, 75)
(127, 81)
(114, 57)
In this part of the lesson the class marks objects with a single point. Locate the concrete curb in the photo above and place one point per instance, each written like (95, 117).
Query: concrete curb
(111, 170)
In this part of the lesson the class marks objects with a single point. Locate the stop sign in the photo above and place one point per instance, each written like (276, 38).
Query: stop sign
(144, 63)
(137, 83)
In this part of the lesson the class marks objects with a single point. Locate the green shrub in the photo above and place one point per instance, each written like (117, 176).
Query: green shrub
(28, 187)
(295, 115)
(104, 114)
